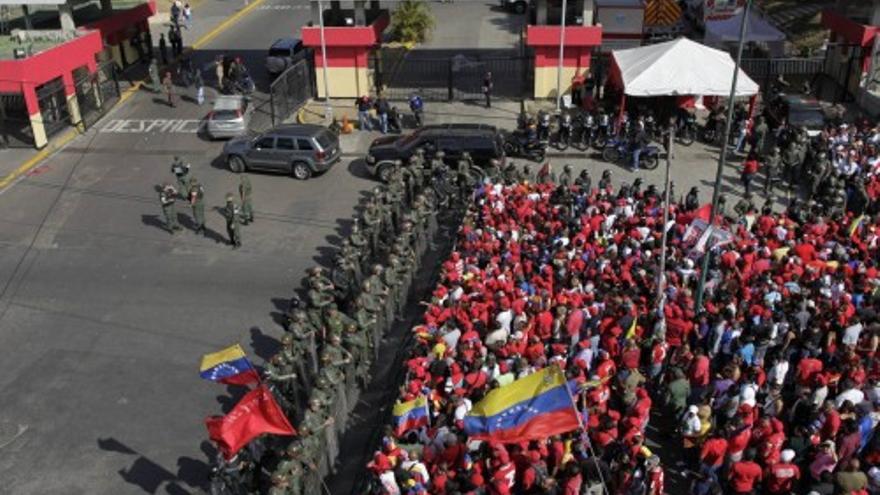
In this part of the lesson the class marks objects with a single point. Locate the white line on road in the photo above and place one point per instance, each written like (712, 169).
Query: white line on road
(152, 126)
(282, 7)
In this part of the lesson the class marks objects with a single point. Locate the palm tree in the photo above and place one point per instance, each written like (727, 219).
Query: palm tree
(411, 21)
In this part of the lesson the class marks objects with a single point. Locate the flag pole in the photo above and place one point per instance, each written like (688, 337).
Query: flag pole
(722, 160)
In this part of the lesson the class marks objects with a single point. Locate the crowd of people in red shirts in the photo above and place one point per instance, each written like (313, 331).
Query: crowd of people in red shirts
(771, 386)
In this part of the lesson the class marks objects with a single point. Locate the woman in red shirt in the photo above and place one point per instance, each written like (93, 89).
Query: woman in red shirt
(750, 168)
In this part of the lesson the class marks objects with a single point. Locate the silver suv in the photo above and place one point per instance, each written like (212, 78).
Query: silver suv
(298, 150)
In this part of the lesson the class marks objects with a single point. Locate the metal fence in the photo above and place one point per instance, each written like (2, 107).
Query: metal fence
(763, 70)
(15, 124)
(53, 107)
(455, 77)
(97, 93)
(292, 89)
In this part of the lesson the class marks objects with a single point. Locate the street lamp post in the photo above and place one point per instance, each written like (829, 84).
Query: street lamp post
(328, 110)
(561, 54)
(722, 160)
(661, 281)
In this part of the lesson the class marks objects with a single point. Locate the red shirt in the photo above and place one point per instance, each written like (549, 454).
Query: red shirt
(699, 372)
(744, 475)
(750, 167)
(781, 477)
(713, 451)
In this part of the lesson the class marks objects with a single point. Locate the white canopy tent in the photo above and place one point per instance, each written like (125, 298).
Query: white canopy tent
(758, 30)
(679, 67)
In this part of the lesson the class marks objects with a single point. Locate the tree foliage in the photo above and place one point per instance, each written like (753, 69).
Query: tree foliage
(412, 21)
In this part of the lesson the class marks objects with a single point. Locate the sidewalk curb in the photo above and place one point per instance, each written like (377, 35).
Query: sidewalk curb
(61, 141)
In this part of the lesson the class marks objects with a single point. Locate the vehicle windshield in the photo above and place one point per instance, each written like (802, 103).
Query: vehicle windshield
(407, 141)
(808, 117)
(325, 139)
(226, 115)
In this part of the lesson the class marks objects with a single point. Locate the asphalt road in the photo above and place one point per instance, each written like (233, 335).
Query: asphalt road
(104, 315)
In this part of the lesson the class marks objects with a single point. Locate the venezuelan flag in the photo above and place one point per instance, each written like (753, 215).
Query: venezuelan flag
(410, 415)
(856, 225)
(530, 408)
(229, 366)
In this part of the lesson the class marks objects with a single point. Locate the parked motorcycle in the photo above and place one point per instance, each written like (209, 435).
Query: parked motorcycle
(618, 151)
(586, 129)
(518, 144)
(687, 133)
(563, 135)
(603, 131)
(543, 126)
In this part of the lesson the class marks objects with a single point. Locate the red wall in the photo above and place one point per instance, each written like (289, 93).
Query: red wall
(50, 64)
(346, 46)
(113, 29)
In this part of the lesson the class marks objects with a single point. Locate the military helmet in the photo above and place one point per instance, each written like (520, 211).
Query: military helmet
(494, 162)
(606, 173)
(377, 268)
(465, 154)
(287, 339)
(420, 151)
(315, 270)
(566, 167)
(193, 181)
(278, 478)
(230, 198)
(294, 449)
(439, 154)
(321, 382)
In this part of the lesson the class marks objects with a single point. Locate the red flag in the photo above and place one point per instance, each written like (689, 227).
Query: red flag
(704, 212)
(256, 413)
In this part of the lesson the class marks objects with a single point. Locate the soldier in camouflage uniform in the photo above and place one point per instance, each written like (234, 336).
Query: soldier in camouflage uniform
(320, 296)
(368, 313)
(281, 373)
(493, 170)
(294, 470)
(315, 429)
(373, 223)
(391, 201)
(167, 198)
(772, 163)
(357, 342)
(566, 178)
(361, 245)
(335, 321)
(304, 343)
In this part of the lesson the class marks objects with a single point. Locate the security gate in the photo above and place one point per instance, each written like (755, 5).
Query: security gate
(449, 75)
(97, 93)
(15, 123)
(53, 106)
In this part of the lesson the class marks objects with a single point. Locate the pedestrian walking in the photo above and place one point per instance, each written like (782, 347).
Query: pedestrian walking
(245, 191)
(169, 88)
(750, 168)
(175, 13)
(167, 197)
(382, 110)
(163, 48)
(180, 169)
(155, 83)
(487, 88)
(197, 201)
(219, 71)
(187, 16)
(233, 221)
(364, 105)
(200, 88)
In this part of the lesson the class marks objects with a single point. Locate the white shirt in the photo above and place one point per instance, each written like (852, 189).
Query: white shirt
(851, 334)
(853, 395)
(778, 372)
(463, 409)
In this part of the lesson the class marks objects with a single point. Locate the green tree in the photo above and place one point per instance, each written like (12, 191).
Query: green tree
(412, 21)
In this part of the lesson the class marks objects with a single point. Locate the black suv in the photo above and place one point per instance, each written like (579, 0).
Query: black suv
(483, 142)
(283, 53)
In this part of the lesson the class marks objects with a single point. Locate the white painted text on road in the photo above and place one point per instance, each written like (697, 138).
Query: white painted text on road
(148, 126)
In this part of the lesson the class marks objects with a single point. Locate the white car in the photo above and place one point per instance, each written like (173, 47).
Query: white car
(229, 117)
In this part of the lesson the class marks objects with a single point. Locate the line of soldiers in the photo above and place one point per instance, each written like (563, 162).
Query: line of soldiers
(191, 190)
(333, 336)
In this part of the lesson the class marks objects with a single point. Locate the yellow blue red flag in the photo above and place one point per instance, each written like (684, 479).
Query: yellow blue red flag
(534, 407)
(410, 415)
(230, 366)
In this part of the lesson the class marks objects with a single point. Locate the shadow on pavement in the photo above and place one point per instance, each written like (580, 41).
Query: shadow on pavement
(150, 476)
(264, 345)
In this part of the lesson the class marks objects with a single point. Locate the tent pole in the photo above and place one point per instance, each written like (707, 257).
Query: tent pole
(722, 160)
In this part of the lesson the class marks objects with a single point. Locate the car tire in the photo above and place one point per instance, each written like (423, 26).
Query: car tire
(300, 170)
(236, 164)
(383, 171)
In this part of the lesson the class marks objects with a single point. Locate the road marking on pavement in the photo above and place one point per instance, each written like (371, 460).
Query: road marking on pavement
(152, 126)
(283, 6)
(68, 136)
(210, 35)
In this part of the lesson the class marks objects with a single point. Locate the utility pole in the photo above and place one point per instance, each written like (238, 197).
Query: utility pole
(661, 281)
(328, 110)
(722, 160)
(561, 55)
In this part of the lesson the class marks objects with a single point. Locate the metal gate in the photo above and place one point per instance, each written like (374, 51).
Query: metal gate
(764, 70)
(292, 89)
(53, 106)
(448, 76)
(97, 93)
(15, 123)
